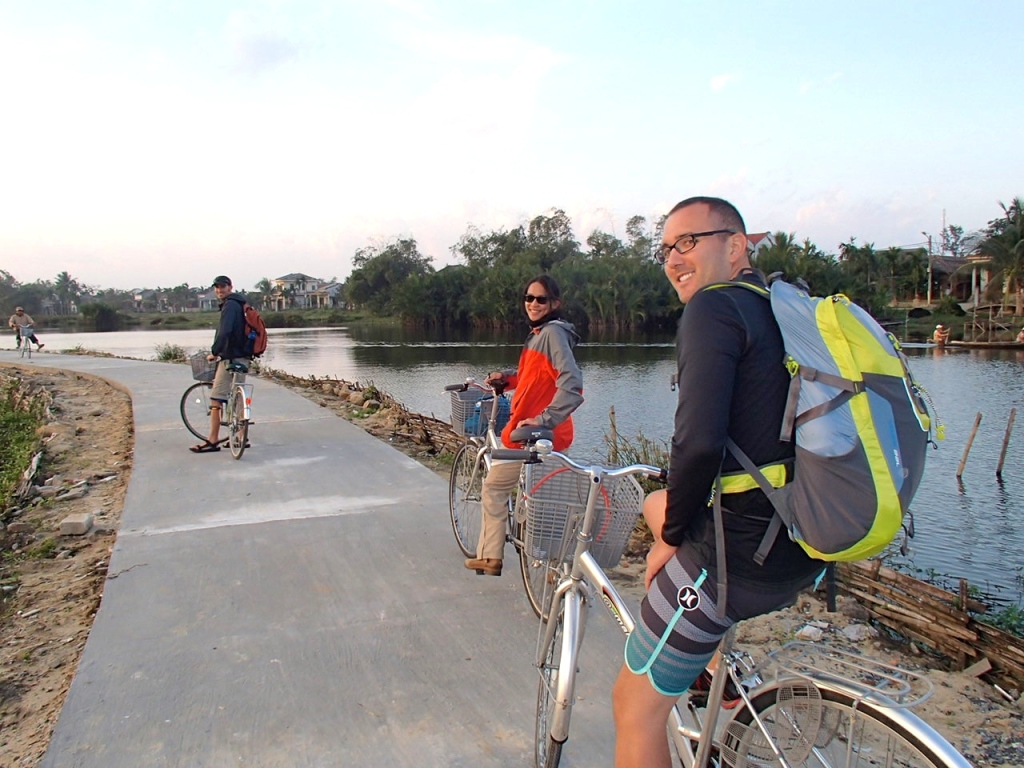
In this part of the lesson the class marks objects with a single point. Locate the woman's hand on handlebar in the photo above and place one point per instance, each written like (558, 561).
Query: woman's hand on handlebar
(493, 378)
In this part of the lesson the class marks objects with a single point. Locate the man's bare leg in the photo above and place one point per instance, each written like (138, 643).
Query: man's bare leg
(215, 411)
(641, 719)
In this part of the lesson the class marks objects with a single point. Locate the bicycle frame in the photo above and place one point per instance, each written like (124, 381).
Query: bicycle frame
(695, 737)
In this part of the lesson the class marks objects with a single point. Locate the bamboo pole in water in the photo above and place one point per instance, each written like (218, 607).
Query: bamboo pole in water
(1006, 442)
(967, 448)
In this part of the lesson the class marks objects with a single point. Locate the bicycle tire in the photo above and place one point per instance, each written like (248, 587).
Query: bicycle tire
(848, 734)
(539, 577)
(548, 752)
(195, 409)
(465, 502)
(238, 435)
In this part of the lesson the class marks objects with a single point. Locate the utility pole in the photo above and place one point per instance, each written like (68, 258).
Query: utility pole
(929, 267)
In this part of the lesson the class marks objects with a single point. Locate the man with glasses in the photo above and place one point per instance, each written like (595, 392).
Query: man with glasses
(732, 384)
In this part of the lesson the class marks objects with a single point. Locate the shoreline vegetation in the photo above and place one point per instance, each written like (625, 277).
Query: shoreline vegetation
(907, 324)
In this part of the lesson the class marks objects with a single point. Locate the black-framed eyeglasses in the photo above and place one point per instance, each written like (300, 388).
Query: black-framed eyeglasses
(686, 243)
(539, 299)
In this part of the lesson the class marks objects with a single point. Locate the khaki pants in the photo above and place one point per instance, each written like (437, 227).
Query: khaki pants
(498, 486)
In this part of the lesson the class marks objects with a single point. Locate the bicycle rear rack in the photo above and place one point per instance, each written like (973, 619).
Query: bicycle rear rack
(870, 680)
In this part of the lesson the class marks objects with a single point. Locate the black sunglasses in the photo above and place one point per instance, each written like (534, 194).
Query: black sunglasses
(539, 299)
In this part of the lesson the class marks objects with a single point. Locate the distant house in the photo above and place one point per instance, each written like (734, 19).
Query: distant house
(208, 300)
(300, 291)
(758, 240)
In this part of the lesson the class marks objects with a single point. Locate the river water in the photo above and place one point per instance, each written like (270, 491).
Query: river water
(972, 528)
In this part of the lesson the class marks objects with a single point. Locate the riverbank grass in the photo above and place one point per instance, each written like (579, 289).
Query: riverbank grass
(19, 419)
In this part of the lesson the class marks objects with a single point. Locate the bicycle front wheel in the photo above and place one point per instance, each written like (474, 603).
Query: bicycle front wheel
(465, 489)
(239, 425)
(833, 731)
(195, 409)
(557, 665)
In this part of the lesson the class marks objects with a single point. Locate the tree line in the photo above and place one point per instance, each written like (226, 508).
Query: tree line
(607, 282)
(615, 283)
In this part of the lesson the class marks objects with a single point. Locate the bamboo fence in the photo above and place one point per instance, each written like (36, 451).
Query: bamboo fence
(935, 618)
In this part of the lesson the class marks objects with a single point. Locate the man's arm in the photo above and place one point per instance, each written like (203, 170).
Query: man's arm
(711, 341)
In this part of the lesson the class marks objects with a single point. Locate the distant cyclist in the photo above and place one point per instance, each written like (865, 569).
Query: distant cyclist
(230, 345)
(23, 330)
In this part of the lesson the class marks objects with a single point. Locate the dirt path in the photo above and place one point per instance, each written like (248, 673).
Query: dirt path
(51, 584)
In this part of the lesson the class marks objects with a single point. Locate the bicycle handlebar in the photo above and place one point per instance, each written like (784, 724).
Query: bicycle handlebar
(543, 448)
(498, 387)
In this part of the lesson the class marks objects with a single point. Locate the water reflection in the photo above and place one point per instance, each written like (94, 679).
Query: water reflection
(973, 528)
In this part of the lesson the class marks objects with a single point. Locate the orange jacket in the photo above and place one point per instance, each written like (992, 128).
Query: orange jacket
(548, 383)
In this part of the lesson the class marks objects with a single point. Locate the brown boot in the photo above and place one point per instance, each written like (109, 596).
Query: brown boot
(484, 566)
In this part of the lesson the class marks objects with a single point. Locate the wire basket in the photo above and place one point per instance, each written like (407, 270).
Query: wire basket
(556, 500)
(470, 412)
(203, 369)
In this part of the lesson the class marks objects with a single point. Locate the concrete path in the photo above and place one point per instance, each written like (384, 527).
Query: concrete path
(304, 606)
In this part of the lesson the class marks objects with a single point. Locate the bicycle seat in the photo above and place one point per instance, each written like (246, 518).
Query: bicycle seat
(530, 435)
(238, 367)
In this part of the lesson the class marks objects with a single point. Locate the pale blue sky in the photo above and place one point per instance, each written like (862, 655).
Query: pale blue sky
(153, 142)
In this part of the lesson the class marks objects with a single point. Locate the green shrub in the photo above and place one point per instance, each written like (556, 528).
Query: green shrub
(171, 353)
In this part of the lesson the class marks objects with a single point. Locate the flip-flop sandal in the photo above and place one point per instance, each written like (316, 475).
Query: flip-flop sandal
(205, 447)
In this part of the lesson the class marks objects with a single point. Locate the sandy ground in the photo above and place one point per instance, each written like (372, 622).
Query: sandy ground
(52, 585)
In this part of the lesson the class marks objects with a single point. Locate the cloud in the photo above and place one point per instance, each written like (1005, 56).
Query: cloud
(719, 82)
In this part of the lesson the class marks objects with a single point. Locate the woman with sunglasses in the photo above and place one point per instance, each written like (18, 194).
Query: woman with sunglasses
(548, 388)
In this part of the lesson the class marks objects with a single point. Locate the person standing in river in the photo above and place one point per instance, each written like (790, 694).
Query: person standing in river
(548, 388)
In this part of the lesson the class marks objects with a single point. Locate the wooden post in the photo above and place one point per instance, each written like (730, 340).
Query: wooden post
(613, 438)
(1006, 442)
(967, 448)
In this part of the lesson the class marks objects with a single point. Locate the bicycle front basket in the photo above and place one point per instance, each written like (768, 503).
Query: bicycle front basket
(470, 412)
(203, 369)
(556, 500)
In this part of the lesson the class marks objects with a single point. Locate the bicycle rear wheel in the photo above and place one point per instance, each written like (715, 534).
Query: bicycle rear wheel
(836, 731)
(239, 426)
(465, 489)
(195, 409)
(539, 576)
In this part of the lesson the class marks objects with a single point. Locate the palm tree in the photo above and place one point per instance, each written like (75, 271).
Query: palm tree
(67, 291)
(1003, 249)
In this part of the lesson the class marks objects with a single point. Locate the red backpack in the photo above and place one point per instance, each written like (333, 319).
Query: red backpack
(255, 331)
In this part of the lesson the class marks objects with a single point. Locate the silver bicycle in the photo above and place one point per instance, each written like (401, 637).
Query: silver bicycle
(479, 413)
(195, 403)
(803, 706)
(24, 343)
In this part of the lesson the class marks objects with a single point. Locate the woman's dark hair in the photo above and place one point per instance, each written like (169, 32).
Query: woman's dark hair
(549, 283)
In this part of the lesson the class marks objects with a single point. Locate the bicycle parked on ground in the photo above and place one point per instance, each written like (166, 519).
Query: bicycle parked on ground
(479, 413)
(804, 706)
(195, 403)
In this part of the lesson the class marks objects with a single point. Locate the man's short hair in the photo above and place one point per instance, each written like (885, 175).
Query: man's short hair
(724, 212)
(221, 281)
(19, 309)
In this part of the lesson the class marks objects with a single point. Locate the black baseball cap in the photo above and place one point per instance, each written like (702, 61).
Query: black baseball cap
(221, 280)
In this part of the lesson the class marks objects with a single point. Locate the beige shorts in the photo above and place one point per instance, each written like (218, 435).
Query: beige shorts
(222, 379)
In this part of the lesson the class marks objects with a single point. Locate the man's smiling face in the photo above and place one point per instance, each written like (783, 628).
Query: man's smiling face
(713, 258)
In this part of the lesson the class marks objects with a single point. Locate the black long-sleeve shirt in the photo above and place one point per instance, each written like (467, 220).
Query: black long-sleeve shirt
(732, 382)
(230, 341)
